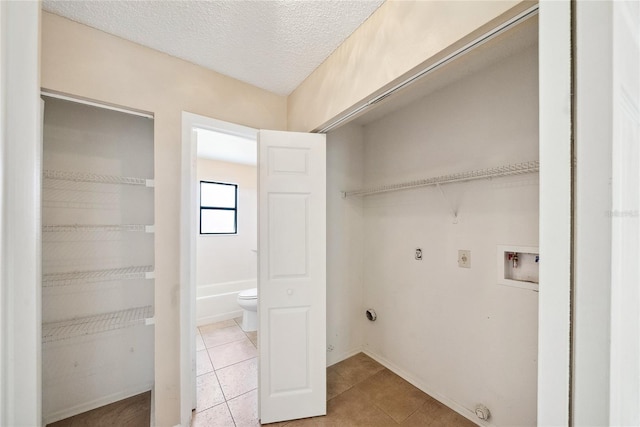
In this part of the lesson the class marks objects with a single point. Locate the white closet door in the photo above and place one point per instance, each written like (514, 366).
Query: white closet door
(292, 275)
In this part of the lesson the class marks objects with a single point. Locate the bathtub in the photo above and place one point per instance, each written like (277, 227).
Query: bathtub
(218, 301)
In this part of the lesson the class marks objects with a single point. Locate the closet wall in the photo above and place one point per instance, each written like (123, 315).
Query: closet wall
(97, 257)
(345, 164)
(453, 331)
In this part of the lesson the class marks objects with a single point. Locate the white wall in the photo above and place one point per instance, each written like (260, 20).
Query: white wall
(453, 331)
(345, 310)
(230, 258)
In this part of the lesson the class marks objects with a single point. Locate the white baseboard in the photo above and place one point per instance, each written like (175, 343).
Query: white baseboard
(205, 320)
(97, 403)
(470, 415)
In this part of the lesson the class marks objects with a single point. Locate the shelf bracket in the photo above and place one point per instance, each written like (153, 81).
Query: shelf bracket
(454, 211)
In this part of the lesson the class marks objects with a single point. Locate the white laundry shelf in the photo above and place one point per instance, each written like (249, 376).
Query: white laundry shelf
(96, 178)
(489, 173)
(93, 276)
(90, 325)
(97, 228)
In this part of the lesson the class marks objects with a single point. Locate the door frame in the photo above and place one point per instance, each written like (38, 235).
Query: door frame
(556, 195)
(20, 207)
(188, 235)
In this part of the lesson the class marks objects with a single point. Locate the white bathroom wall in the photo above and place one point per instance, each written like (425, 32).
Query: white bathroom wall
(345, 312)
(453, 331)
(227, 264)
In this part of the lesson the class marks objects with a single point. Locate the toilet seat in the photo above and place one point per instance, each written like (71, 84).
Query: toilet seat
(249, 294)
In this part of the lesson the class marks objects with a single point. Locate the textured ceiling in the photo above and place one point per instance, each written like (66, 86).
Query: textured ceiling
(271, 44)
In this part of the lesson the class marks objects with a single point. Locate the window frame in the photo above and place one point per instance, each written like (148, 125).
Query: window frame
(235, 209)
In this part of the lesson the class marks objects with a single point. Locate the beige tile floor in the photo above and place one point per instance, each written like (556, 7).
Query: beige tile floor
(360, 391)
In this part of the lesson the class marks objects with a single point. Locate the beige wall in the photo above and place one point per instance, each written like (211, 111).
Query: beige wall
(399, 37)
(85, 62)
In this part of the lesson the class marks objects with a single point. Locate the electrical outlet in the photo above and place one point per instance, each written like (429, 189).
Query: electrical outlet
(464, 259)
(418, 254)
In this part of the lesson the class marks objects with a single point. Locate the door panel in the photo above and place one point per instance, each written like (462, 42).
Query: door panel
(292, 275)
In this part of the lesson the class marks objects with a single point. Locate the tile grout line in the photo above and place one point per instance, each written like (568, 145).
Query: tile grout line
(215, 371)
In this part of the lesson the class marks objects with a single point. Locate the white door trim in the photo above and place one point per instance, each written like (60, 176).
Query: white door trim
(188, 233)
(554, 362)
(21, 155)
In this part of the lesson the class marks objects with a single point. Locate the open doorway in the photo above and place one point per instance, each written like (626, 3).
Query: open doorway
(292, 178)
(226, 276)
(218, 185)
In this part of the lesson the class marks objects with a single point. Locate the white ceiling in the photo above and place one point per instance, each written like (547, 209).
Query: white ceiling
(271, 44)
(226, 148)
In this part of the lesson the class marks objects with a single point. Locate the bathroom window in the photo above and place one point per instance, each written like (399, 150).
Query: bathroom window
(218, 208)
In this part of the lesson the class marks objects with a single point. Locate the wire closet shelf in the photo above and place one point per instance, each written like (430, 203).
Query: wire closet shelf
(95, 276)
(63, 228)
(95, 178)
(90, 325)
(489, 173)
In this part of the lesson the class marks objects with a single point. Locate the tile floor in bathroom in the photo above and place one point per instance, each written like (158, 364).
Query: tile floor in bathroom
(360, 391)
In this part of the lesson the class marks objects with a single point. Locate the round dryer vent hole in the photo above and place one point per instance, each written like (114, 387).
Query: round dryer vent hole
(371, 314)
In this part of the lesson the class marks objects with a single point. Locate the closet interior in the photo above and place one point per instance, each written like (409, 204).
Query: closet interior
(97, 257)
(432, 210)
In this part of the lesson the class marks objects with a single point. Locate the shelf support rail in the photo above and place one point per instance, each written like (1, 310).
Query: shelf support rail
(489, 173)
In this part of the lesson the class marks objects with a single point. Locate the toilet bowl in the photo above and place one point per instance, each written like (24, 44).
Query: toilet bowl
(248, 300)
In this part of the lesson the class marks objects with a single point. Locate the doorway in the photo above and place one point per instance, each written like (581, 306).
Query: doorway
(226, 271)
(219, 158)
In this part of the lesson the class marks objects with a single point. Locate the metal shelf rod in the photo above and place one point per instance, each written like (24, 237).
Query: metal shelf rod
(495, 172)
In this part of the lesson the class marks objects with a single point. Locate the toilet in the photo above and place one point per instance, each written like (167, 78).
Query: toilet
(248, 300)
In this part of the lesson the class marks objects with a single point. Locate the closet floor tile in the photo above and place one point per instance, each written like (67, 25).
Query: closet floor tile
(357, 368)
(336, 384)
(392, 394)
(433, 413)
(239, 378)
(132, 412)
(231, 353)
(351, 408)
(217, 416)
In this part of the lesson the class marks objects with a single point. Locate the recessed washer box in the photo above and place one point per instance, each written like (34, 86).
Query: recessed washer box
(518, 266)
